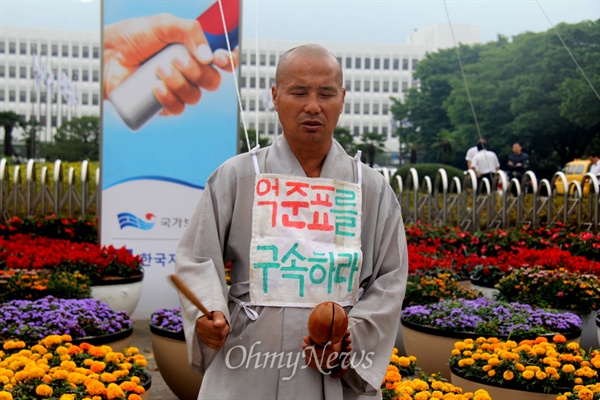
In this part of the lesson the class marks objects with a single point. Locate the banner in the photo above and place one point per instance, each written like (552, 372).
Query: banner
(154, 167)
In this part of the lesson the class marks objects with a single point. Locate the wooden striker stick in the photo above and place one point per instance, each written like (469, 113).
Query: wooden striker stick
(185, 290)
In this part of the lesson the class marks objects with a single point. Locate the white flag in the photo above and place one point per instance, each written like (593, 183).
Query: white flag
(49, 78)
(38, 73)
(66, 89)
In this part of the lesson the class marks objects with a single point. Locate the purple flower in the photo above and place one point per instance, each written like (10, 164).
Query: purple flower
(168, 319)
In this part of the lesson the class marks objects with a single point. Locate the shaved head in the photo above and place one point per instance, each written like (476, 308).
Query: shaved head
(306, 50)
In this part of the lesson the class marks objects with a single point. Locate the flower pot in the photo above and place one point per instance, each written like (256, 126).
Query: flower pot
(488, 293)
(117, 341)
(119, 293)
(590, 338)
(170, 353)
(147, 384)
(433, 347)
(497, 392)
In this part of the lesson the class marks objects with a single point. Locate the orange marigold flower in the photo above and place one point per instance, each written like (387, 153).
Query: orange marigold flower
(43, 390)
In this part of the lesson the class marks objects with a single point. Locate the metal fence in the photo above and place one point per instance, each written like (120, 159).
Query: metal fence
(469, 203)
(38, 193)
(476, 204)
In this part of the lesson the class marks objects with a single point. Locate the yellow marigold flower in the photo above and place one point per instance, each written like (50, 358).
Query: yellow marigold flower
(508, 375)
(528, 374)
(573, 346)
(68, 365)
(60, 374)
(493, 362)
(43, 390)
(141, 362)
(65, 357)
(133, 396)
(97, 366)
(67, 397)
(568, 368)
(94, 387)
(5, 395)
(486, 368)
(114, 391)
(61, 350)
(578, 381)
(491, 372)
(422, 396)
(135, 379)
(108, 377)
(541, 375)
(36, 372)
(455, 352)
(550, 370)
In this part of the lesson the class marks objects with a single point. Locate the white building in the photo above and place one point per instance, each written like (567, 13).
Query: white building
(372, 74)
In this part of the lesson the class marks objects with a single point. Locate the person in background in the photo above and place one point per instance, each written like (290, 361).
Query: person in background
(485, 163)
(595, 166)
(472, 151)
(300, 221)
(518, 162)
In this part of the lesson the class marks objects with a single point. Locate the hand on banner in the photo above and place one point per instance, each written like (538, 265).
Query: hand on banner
(212, 332)
(128, 43)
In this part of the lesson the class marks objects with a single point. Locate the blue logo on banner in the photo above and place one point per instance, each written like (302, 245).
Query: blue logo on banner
(128, 219)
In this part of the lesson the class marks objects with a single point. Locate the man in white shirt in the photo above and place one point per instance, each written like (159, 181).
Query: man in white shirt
(485, 163)
(595, 167)
(472, 151)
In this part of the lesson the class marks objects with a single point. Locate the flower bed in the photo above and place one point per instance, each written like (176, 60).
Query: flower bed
(31, 321)
(430, 286)
(534, 365)
(25, 252)
(170, 320)
(488, 317)
(55, 368)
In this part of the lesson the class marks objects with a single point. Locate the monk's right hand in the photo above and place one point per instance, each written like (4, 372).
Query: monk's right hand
(212, 332)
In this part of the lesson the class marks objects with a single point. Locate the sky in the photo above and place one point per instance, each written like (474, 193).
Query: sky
(349, 21)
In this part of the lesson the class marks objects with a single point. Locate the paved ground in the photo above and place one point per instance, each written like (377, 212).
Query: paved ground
(141, 339)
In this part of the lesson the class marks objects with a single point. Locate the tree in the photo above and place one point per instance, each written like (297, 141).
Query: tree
(76, 140)
(9, 120)
(31, 128)
(371, 144)
(243, 145)
(345, 139)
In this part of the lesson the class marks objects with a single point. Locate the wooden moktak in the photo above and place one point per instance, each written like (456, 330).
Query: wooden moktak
(327, 323)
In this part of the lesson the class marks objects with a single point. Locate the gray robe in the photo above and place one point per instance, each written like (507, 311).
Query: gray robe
(262, 358)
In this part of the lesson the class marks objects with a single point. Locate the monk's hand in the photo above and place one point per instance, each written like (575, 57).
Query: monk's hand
(332, 359)
(212, 332)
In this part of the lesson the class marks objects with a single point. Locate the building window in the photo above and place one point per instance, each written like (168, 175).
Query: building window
(12, 48)
(263, 59)
(348, 62)
(85, 99)
(96, 52)
(12, 71)
(44, 50)
(2, 47)
(95, 75)
(405, 64)
(395, 87)
(396, 64)
(65, 50)
(366, 109)
(252, 59)
(74, 75)
(356, 108)
(85, 51)
(386, 63)
(272, 60)
(365, 130)
(414, 64)
(376, 130)
(243, 81)
(263, 83)
(367, 63)
(367, 86)
(252, 82)
(346, 108)
(252, 105)
(377, 62)
(22, 72)
(55, 50)
(356, 130)
(385, 109)
(244, 58)
(357, 86)
(376, 86)
(348, 85)
(2, 71)
(43, 119)
(43, 99)
(75, 51)
(404, 86)
(22, 48)
(386, 86)
(54, 121)
(357, 63)
(95, 99)
(375, 109)
(2, 95)
(22, 96)
(85, 75)
(12, 95)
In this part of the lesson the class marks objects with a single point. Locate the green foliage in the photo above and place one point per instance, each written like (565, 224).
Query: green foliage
(371, 144)
(243, 145)
(9, 120)
(526, 89)
(33, 285)
(75, 140)
(345, 139)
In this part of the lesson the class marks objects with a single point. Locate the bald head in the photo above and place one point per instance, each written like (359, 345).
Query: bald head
(309, 51)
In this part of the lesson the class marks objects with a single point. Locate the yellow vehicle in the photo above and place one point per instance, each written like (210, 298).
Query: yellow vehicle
(574, 171)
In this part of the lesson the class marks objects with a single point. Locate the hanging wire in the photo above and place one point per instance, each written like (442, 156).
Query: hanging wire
(462, 71)
(568, 51)
(235, 80)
